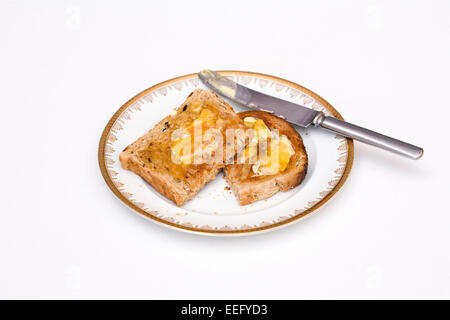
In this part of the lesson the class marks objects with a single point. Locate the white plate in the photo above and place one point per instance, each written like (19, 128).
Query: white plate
(215, 210)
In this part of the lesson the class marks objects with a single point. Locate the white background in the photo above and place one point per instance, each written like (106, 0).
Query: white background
(66, 67)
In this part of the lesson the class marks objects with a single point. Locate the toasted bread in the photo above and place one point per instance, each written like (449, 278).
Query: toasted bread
(249, 188)
(151, 155)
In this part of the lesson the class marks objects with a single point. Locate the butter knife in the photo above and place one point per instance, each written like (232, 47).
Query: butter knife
(303, 116)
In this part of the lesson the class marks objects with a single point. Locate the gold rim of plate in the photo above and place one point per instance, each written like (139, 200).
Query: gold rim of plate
(109, 182)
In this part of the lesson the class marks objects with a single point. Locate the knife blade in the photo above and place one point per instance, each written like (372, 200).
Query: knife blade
(303, 116)
(292, 112)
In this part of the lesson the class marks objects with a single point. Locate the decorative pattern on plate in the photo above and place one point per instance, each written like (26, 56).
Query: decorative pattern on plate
(328, 157)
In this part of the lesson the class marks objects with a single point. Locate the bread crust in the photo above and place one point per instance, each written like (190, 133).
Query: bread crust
(252, 189)
(155, 171)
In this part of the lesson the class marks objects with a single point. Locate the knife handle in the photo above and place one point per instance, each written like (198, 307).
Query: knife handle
(368, 136)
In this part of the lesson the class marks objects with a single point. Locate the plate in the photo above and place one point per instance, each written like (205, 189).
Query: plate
(214, 210)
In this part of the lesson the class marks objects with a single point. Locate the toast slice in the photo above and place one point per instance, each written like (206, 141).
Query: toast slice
(153, 157)
(250, 185)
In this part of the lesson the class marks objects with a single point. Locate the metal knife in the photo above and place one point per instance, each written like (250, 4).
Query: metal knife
(303, 116)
